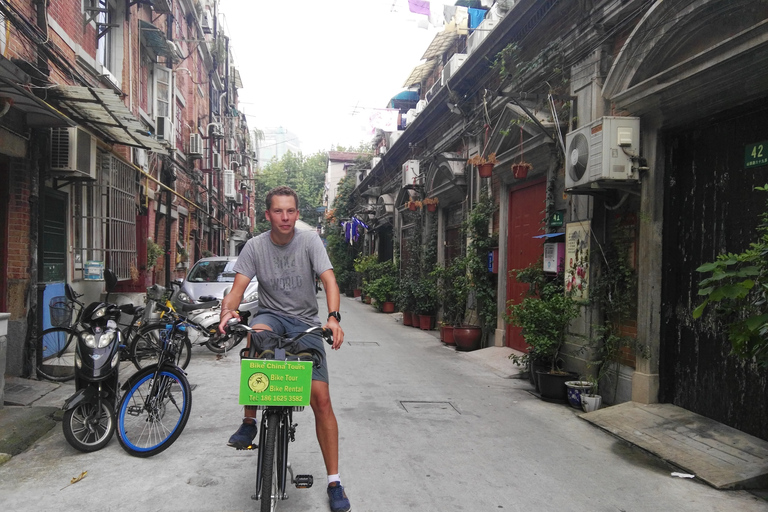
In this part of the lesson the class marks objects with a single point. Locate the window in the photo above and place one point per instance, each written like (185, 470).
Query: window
(147, 82)
(105, 217)
(104, 50)
(163, 93)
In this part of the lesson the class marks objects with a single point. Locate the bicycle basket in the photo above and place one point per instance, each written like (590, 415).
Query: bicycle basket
(61, 312)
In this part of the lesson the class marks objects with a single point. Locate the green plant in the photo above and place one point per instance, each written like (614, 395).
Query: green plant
(453, 290)
(425, 296)
(384, 284)
(182, 255)
(544, 314)
(154, 251)
(737, 291)
(481, 282)
(206, 253)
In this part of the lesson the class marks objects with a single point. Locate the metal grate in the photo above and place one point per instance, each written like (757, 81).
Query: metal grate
(431, 408)
(363, 343)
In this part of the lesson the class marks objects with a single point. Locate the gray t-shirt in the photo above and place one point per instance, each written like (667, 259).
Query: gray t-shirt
(286, 273)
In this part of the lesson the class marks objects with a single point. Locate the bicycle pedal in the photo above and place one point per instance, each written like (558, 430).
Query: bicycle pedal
(303, 481)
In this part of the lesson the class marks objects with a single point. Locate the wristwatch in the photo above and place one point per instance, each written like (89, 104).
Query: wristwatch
(336, 315)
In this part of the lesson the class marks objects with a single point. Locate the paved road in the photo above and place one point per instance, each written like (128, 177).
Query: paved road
(423, 428)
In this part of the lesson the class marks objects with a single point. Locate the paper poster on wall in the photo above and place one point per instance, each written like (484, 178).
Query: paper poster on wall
(93, 271)
(577, 237)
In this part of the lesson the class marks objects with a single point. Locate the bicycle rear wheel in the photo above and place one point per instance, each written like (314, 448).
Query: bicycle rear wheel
(57, 354)
(154, 412)
(148, 344)
(269, 469)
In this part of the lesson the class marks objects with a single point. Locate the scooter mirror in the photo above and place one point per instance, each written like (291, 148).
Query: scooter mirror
(110, 279)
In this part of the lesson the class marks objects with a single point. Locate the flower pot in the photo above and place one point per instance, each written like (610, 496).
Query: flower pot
(467, 338)
(431, 207)
(520, 171)
(537, 366)
(552, 386)
(446, 335)
(426, 322)
(485, 170)
(388, 307)
(357, 292)
(577, 388)
(367, 300)
(412, 207)
(406, 318)
(591, 402)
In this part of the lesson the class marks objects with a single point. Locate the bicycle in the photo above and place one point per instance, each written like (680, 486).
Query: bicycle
(156, 404)
(274, 358)
(56, 345)
(146, 346)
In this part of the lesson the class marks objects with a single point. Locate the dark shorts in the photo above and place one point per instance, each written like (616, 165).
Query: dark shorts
(281, 324)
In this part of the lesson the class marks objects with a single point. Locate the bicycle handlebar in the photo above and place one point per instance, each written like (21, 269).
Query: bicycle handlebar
(326, 334)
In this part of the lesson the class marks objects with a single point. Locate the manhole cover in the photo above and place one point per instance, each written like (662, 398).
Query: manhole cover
(363, 343)
(431, 408)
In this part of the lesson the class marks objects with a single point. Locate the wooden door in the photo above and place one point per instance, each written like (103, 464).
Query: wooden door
(525, 207)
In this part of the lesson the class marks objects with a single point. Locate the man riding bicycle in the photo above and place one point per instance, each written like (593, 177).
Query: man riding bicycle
(286, 262)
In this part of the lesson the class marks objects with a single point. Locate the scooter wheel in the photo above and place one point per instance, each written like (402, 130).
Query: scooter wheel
(88, 429)
(220, 344)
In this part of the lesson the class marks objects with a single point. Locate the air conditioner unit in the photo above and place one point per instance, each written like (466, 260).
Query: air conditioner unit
(239, 198)
(420, 105)
(394, 136)
(231, 145)
(410, 172)
(216, 162)
(234, 160)
(164, 129)
(195, 146)
(206, 22)
(140, 159)
(450, 68)
(599, 153)
(229, 183)
(244, 172)
(359, 177)
(73, 153)
(432, 91)
(216, 131)
(375, 160)
(479, 35)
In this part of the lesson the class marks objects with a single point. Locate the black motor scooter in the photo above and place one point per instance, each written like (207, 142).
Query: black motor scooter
(89, 415)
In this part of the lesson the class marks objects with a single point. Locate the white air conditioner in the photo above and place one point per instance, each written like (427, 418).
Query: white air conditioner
(73, 153)
(231, 145)
(410, 172)
(359, 177)
(479, 35)
(140, 159)
(195, 145)
(216, 163)
(229, 183)
(164, 129)
(420, 106)
(450, 68)
(432, 91)
(206, 22)
(375, 160)
(599, 153)
(244, 172)
(393, 137)
(239, 198)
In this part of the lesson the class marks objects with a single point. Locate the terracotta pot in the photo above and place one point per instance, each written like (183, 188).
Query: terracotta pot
(388, 307)
(485, 170)
(406, 318)
(431, 207)
(426, 322)
(520, 171)
(446, 335)
(357, 292)
(467, 338)
(367, 300)
(412, 207)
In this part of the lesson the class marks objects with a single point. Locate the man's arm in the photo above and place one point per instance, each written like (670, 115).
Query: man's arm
(334, 302)
(233, 299)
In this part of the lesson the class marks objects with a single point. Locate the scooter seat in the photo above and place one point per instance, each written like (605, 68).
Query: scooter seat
(202, 305)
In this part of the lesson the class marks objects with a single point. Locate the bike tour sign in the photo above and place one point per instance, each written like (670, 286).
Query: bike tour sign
(271, 382)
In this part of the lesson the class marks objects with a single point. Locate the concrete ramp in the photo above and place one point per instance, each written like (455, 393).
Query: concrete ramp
(719, 455)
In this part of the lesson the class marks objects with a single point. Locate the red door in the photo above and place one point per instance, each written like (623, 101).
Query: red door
(525, 207)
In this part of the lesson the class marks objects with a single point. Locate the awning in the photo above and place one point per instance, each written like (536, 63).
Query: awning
(104, 112)
(420, 72)
(156, 39)
(37, 112)
(442, 41)
(549, 235)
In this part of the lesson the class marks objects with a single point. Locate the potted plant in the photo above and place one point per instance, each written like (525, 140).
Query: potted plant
(430, 203)
(453, 289)
(576, 389)
(384, 289)
(484, 164)
(544, 316)
(405, 299)
(590, 400)
(520, 170)
(425, 295)
(413, 205)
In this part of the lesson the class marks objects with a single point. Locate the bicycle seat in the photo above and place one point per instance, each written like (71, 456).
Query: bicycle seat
(202, 305)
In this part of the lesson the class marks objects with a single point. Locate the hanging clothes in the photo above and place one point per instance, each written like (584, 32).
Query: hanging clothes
(476, 16)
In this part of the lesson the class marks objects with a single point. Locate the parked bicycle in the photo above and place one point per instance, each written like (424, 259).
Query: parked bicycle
(157, 400)
(276, 377)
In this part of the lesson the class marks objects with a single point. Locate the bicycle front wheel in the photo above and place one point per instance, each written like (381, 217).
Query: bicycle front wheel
(153, 413)
(147, 345)
(269, 487)
(56, 358)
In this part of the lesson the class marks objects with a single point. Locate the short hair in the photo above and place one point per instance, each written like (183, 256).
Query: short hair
(281, 191)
